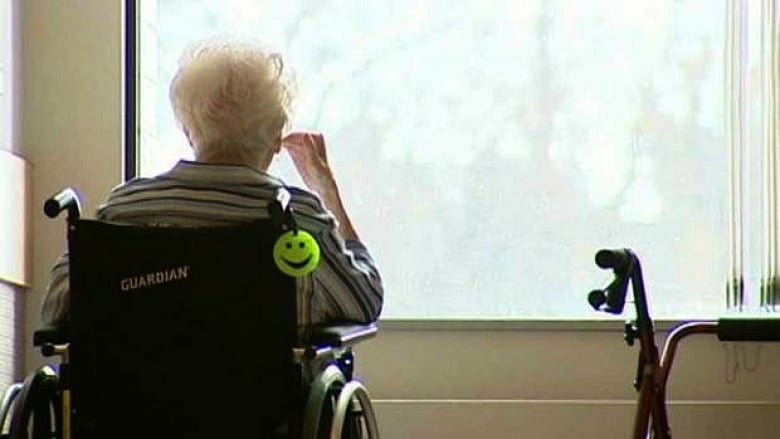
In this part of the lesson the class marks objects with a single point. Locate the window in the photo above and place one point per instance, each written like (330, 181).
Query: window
(487, 149)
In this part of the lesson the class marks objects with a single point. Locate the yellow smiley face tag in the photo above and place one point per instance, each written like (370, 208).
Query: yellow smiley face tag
(296, 253)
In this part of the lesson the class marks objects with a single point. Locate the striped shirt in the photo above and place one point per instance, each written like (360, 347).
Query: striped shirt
(345, 287)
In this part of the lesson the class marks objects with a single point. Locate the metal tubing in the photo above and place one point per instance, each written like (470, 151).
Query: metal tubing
(673, 339)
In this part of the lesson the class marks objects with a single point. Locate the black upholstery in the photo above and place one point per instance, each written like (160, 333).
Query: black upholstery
(179, 332)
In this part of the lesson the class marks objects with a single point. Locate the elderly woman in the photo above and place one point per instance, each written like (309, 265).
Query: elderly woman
(232, 101)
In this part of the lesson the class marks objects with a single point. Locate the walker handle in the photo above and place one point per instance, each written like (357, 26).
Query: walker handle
(748, 329)
(617, 259)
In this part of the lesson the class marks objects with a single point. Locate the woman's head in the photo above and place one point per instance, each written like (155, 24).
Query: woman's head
(232, 100)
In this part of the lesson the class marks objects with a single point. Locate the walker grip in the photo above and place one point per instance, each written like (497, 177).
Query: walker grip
(748, 329)
(618, 260)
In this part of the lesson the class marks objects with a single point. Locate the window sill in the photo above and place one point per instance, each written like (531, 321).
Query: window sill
(615, 324)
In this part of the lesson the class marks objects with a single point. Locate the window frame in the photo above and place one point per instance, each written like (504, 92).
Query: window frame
(131, 168)
(131, 148)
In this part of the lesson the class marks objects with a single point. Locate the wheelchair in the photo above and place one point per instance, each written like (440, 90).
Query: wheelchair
(183, 332)
(651, 419)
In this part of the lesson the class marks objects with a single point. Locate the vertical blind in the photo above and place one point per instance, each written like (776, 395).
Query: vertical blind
(769, 60)
(753, 96)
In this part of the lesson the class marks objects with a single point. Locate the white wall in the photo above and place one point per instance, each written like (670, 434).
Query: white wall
(427, 383)
(13, 189)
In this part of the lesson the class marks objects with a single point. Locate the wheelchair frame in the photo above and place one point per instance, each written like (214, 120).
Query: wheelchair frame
(331, 344)
(45, 392)
(652, 374)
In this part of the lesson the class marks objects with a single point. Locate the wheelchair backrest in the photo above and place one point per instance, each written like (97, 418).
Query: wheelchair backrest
(179, 332)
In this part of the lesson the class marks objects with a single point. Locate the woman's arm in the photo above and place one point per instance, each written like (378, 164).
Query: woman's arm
(56, 305)
(350, 276)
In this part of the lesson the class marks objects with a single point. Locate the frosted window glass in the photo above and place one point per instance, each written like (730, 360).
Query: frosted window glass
(487, 149)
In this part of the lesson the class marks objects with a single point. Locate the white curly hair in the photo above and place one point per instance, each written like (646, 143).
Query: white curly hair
(232, 99)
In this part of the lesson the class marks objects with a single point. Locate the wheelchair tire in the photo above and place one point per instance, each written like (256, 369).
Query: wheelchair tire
(353, 417)
(8, 400)
(337, 409)
(320, 402)
(37, 401)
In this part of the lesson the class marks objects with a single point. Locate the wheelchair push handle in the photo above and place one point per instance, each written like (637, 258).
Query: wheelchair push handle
(66, 199)
(279, 205)
(281, 210)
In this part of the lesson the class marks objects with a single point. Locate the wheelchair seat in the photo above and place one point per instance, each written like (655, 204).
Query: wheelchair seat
(192, 333)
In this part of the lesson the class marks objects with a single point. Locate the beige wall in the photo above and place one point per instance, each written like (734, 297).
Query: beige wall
(561, 384)
(71, 116)
(5, 76)
(427, 383)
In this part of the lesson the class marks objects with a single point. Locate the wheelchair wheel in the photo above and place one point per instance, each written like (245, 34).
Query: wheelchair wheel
(36, 412)
(354, 417)
(320, 402)
(338, 409)
(8, 399)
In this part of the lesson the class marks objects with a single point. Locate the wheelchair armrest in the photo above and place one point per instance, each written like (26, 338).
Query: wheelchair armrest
(343, 335)
(51, 335)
